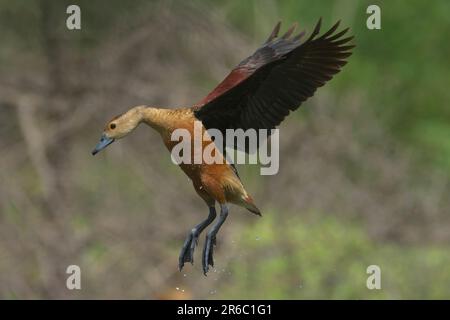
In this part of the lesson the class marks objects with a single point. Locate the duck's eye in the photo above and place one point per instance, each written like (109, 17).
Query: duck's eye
(112, 126)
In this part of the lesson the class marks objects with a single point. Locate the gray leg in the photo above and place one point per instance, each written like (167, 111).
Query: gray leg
(187, 252)
(211, 239)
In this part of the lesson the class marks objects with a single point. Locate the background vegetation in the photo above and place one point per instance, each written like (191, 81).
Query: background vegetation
(365, 164)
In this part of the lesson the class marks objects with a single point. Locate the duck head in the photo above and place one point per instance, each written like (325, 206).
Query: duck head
(118, 127)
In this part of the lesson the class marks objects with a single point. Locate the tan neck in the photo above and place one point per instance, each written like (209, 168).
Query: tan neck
(158, 119)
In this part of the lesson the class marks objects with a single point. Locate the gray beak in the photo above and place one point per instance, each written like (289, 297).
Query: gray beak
(102, 144)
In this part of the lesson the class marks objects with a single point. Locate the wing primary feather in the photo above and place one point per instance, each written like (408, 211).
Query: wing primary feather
(316, 30)
(274, 33)
(289, 32)
(342, 41)
(299, 36)
(332, 29)
(338, 35)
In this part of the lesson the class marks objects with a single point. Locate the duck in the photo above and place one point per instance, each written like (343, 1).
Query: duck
(257, 94)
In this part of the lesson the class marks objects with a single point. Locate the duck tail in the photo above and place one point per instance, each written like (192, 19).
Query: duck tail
(250, 205)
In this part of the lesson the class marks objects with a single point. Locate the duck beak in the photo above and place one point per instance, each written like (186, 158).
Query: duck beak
(102, 144)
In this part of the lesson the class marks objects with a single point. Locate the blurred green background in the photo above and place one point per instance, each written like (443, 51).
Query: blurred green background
(364, 166)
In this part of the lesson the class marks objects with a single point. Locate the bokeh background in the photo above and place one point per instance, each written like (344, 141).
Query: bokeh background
(365, 164)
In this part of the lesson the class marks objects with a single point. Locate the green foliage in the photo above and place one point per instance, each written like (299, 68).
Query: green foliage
(327, 259)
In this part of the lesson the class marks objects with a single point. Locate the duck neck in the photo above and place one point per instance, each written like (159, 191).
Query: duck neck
(157, 118)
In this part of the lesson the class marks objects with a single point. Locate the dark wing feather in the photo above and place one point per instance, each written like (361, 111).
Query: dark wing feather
(261, 91)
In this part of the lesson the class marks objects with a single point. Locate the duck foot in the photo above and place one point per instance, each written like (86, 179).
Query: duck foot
(187, 251)
(208, 252)
(208, 249)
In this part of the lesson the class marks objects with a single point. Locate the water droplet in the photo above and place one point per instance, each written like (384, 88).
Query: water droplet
(178, 289)
(182, 290)
(212, 292)
(257, 238)
(185, 275)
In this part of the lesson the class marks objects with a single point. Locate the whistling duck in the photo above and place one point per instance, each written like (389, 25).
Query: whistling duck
(258, 94)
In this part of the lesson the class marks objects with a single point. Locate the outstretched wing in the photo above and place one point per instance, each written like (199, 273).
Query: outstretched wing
(261, 91)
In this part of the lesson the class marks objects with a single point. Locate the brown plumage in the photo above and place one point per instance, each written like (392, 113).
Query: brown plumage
(258, 94)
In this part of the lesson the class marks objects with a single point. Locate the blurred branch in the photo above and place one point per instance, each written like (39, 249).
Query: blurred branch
(35, 143)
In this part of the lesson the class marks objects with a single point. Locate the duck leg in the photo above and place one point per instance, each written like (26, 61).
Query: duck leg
(208, 249)
(187, 251)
